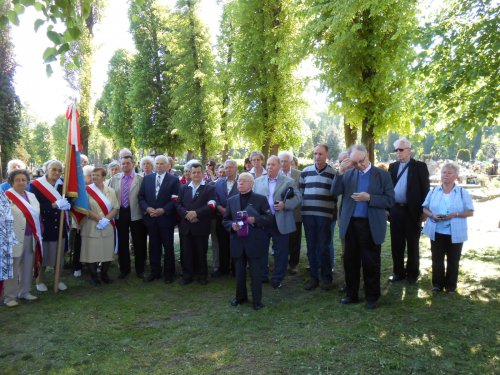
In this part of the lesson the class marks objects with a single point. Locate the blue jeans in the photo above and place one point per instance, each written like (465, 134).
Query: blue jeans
(318, 231)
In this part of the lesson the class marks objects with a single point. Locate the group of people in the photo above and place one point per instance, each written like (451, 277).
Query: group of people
(242, 214)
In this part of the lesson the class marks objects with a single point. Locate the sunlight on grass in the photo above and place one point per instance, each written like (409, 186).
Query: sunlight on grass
(416, 341)
(475, 349)
(437, 351)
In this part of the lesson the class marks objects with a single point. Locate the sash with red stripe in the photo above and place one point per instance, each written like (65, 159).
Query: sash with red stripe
(49, 192)
(105, 205)
(32, 219)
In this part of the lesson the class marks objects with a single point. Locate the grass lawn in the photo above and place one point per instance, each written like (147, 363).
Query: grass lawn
(131, 327)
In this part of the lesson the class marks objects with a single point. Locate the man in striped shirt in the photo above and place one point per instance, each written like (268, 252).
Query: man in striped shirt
(318, 211)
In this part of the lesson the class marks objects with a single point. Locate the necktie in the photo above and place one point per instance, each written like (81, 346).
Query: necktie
(125, 191)
(158, 184)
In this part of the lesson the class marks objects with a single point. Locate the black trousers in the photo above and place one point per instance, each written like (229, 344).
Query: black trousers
(294, 245)
(224, 247)
(194, 258)
(441, 247)
(256, 271)
(405, 233)
(361, 251)
(139, 239)
(162, 237)
(76, 247)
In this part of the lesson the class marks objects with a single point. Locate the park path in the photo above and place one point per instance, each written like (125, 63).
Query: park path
(484, 230)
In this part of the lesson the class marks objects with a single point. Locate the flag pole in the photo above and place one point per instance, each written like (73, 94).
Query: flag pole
(57, 273)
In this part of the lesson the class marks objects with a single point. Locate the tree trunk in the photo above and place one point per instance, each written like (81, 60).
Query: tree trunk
(368, 139)
(189, 155)
(477, 143)
(350, 134)
(203, 152)
(274, 150)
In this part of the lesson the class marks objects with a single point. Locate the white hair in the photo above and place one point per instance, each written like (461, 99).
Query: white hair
(403, 140)
(231, 161)
(273, 157)
(161, 157)
(48, 163)
(87, 170)
(124, 152)
(187, 166)
(285, 155)
(358, 147)
(147, 158)
(14, 162)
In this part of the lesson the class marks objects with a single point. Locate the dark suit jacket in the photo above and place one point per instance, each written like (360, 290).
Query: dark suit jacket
(256, 244)
(199, 203)
(381, 198)
(221, 195)
(417, 185)
(169, 187)
(49, 216)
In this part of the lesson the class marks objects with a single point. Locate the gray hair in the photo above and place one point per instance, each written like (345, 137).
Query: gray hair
(231, 161)
(149, 159)
(13, 162)
(87, 170)
(124, 152)
(246, 174)
(343, 155)
(161, 157)
(256, 153)
(285, 155)
(48, 163)
(273, 157)
(403, 140)
(113, 163)
(451, 165)
(358, 147)
(187, 166)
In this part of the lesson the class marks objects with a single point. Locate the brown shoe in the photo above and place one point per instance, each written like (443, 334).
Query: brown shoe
(312, 284)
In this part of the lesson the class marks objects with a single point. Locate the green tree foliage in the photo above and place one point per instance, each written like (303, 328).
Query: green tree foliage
(41, 143)
(459, 69)
(265, 61)
(363, 49)
(10, 105)
(194, 102)
(116, 117)
(59, 133)
(149, 95)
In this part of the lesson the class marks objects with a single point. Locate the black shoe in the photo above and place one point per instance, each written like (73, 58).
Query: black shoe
(123, 275)
(203, 281)
(257, 306)
(265, 280)
(276, 285)
(216, 274)
(95, 282)
(412, 280)
(437, 289)
(185, 281)
(395, 278)
(235, 301)
(348, 300)
(105, 278)
(312, 284)
(152, 277)
(370, 305)
(140, 275)
(343, 289)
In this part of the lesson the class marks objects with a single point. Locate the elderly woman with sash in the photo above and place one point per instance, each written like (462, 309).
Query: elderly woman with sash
(48, 190)
(26, 214)
(98, 228)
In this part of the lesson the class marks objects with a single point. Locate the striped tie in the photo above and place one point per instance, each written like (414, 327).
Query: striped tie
(158, 184)
(125, 192)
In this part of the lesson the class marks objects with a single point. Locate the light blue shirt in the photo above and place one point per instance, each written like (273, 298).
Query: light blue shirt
(401, 186)
(459, 201)
(361, 208)
(195, 189)
(270, 198)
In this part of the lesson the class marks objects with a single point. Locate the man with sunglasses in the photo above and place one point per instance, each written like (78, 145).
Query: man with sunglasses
(367, 192)
(411, 185)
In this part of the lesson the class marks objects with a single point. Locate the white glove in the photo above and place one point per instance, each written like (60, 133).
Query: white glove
(63, 204)
(103, 223)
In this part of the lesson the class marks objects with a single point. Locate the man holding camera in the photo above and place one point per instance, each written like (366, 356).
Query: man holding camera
(283, 197)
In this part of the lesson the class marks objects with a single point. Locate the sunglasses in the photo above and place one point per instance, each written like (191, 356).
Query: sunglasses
(400, 149)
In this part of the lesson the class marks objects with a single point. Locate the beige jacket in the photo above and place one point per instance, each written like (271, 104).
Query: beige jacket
(116, 185)
(20, 224)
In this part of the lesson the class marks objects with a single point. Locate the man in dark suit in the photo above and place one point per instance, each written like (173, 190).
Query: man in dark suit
(156, 197)
(411, 185)
(249, 238)
(367, 193)
(195, 207)
(225, 188)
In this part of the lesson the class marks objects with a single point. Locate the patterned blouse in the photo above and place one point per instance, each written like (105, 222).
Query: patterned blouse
(7, 238)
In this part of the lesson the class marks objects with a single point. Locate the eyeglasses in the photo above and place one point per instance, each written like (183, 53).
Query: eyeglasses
(400, 149)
